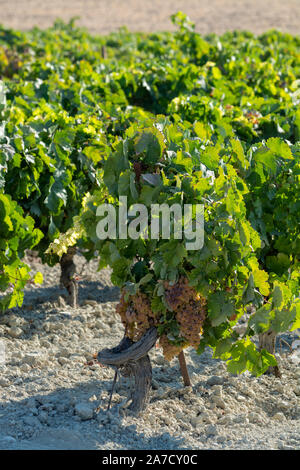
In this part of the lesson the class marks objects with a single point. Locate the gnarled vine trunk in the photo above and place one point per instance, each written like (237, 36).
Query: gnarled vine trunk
(67, 278)
(132, 359)
(267, 341)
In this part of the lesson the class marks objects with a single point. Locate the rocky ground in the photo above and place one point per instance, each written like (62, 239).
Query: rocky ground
(105, 16)
(52, 396)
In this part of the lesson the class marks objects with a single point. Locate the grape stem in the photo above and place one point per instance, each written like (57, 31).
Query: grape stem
(183, 369)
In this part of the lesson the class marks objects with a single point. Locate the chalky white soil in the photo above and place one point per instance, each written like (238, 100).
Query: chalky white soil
(51, 399)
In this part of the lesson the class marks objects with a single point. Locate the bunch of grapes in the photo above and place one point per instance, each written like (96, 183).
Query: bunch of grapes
(136, 315)
(169, 350)
(190, 311)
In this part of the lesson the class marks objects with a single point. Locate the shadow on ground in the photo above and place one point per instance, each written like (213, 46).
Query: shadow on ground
(63, 429)
(88, 290)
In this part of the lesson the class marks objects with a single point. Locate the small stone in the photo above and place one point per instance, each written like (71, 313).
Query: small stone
(25, 368)
(201, 408)
(255, 418)
(279, 388)
(160, 360)
(7, 440)
(32, 359)
(167, 420)
(15, 332)
(4, 319)
(61, 302)
(18, 355)
(43, 399)
(286, 447)
(296, 390)
(102, 418)
(217, 390)
(100, 325)
(240, 398)
(279, 417)
(211, 430)
(180, 415)
(165, 378)
(112, 419)
(31, 421)
(78, 358)
(62, 407)
(63, 361)
(232, 381)
(152, 419)
(98, 312)
(196, 421)
(4, 382)
(14, 321)
(283, 405)
(84, 411)
(47, 327)
(30, 402)
(225, 420)
(55, 326)
(64, 352)
(219, 402)
(55, 339)
(240, 419)
(44, 343)
(93, 303)
(43, 417)
(249, 393)
(215, 380)
(295, 357)
(155, 384)
(207, 418)
(18, 381)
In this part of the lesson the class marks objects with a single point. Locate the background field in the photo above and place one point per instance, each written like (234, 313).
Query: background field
(103, 16)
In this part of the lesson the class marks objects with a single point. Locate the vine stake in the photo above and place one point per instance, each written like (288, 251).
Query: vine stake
(183, 369)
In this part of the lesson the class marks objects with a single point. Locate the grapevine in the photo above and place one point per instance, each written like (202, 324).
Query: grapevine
(190, 309)
(179, 119)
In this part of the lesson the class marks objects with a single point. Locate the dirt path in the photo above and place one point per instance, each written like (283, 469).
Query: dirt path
(103, 16)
